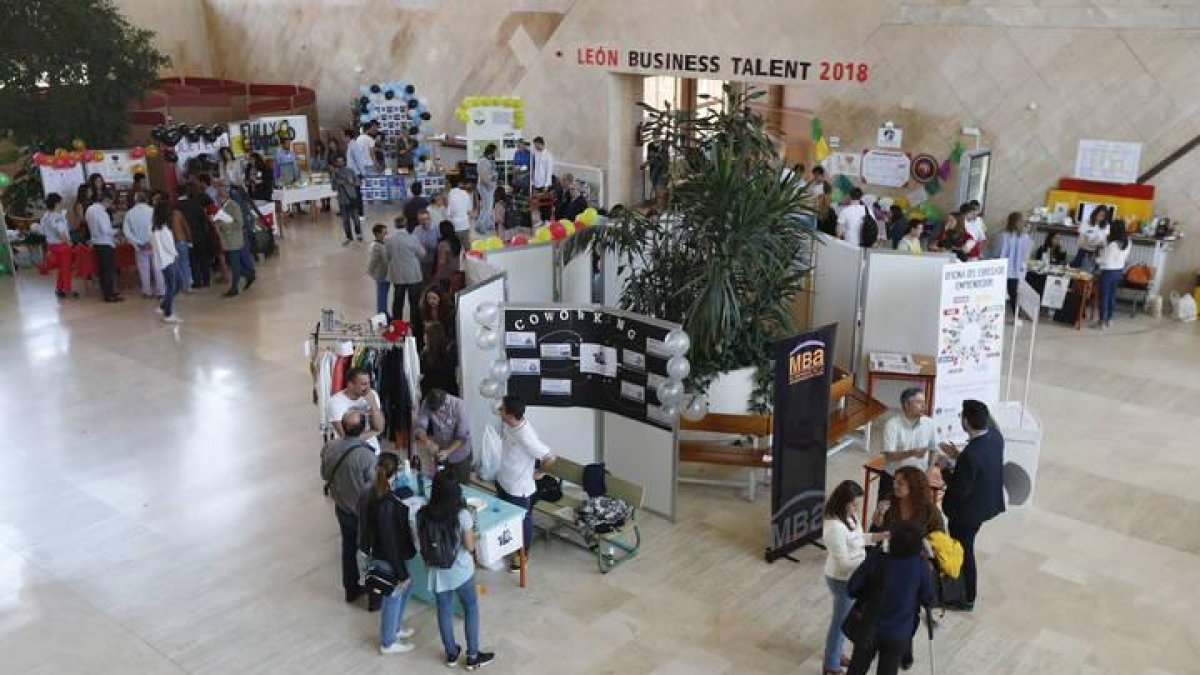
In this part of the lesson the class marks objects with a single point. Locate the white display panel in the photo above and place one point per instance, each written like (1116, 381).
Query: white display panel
(837, 292)
(474, 363)
(529, 272)
(569, 432)
(577, 279)
(900, 308)
(644, 455)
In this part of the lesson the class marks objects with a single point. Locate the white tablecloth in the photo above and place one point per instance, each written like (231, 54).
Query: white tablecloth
(308, 193)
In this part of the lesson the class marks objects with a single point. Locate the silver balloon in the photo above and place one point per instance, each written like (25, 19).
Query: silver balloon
(678, 367)
(487, 313)
(490, 388)
(670, 410)
(696, 408)
(486, 338)
(669, 392)
(500, 369)
(678, 342)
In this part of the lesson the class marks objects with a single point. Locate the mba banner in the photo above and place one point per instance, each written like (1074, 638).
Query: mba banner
(803, 371)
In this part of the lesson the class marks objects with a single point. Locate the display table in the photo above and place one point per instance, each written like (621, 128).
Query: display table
(1146, 250)
(1080, 297)
(498, 533)
(312, 192)
(926, 376)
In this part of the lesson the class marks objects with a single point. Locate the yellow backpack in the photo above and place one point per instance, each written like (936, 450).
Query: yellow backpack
(947, 552)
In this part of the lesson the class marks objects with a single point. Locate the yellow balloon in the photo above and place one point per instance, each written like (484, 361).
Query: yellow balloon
(589, 216)
(902, 202)
(493, 242)
(542, 234)
(569, 227)
(479, 245)
(564, 222)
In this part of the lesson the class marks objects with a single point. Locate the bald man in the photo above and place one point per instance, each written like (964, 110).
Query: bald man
(347, 467)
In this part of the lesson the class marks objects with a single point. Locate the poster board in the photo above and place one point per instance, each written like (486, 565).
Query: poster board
(262, 135)
(587, 356)
(848, 164)
(837, 294)
(64, 182)
(1108, 161)
(590, 179)
(885, 168)
(645, 455)
(492, 124)
(474, 363)
(186, 150)
(118, 167)
(970, 351)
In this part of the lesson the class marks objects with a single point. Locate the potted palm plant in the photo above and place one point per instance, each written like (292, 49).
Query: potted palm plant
(727, 253)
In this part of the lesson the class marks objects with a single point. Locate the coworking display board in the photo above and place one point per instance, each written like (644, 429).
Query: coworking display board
(588, 356)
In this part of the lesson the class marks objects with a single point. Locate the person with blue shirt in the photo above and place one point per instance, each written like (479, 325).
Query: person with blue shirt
(896, 582)
(1015, 245)
(446, 504)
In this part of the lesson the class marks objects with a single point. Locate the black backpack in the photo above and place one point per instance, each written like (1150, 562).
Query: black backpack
(439, 541)
(870, 231)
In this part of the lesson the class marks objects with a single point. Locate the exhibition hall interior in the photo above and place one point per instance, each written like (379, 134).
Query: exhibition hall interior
(572, 336)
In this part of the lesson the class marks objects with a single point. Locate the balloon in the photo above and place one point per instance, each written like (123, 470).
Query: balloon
(486, 314)
(219, 129)
(542, 234)
(500, 369)
(5, 180)
(172, 137)
(490, 388)
(409, 89)
(137, 168)
(61, 162)
(137, 152)
(479, 245)
(518, 240)
(486, 338)
(670, 410)
(475, 254)
(570, 228)
(426, 116)
(157, 132)
(669, 392)
(389, 94)
(374, 89)
(171, 156)
(152, 151)
(678, 367)
(78, 144)
(97, 156)
(677, 342)
(413, 103)
(589, 216)
(60, 152)
(39, 158)
(493, 243)
(75, 156)
(580, 225)
(557, 231)
(414, 131)
(696, 408)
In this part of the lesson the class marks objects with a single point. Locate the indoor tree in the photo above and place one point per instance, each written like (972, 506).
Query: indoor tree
(728, 252)
(68, 69)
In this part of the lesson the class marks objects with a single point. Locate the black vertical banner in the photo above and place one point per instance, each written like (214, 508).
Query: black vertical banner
(803, 371)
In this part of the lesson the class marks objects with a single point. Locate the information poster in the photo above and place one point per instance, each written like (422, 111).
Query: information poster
(970, 358)
(1108, 161)
(117, 167)
(586, 357)
(64, 182)
(799, 440)
(887, 168)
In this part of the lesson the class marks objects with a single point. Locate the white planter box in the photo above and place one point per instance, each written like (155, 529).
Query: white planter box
(729, 393)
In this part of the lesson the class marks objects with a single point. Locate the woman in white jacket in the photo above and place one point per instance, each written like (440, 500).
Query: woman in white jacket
(1111, 264)
(846, 544)
(162, 246)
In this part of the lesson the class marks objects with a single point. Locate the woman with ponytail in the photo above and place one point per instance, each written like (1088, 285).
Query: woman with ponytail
(386, 537)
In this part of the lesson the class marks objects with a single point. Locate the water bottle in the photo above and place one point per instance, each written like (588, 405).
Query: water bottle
(403, 477)
(416, 465)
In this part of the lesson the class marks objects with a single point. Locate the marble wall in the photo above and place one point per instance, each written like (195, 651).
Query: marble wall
(1110, 69)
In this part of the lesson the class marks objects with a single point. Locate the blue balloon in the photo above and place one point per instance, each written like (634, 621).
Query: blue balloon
(364, 90)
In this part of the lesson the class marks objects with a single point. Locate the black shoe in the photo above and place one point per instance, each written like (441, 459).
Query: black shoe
(114, 298)
(250, 281)
(229, 294)
(906, 662)
(354, 594)
(480, 660)
(961, 606)
(452, 661)
(60, 294)
(374, 602)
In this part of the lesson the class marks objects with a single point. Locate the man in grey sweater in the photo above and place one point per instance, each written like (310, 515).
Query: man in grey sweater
(347, 466)
(404, 252)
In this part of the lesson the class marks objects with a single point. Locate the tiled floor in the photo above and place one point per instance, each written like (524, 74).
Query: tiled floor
(160, 513)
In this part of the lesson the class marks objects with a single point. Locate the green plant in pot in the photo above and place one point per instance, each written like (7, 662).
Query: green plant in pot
(728, 252)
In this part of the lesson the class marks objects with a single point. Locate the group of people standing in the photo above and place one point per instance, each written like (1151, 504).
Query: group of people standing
(885, 573)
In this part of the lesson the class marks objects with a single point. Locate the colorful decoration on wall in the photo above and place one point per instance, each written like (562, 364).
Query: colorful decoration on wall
(934, 185)
(820, 145)
(400, 112)
(462, 112)
(924, 168)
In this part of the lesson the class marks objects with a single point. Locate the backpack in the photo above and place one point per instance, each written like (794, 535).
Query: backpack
(593, 480)
(439, 541)
(870, 231)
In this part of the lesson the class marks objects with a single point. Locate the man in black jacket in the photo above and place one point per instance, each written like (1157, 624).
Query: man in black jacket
(384, 534)
(974, 488)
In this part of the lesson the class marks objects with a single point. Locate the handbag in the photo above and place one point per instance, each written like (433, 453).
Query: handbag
(380, 578)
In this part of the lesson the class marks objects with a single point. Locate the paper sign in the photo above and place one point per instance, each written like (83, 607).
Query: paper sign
(888, 168)
(1055, 293)
(1027, 299)
(889, 137)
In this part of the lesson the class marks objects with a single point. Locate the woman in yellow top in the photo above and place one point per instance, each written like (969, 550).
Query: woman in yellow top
(911, 241)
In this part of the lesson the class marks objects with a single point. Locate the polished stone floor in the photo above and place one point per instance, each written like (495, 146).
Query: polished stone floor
(160, 512)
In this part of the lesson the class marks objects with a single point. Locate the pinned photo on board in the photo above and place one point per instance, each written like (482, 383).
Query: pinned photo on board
(525, 366)
(657, 348)
(656, 413)
(522, 339)
(653, 380)
(633, 392)
(556, 350)
(632, 359)
(555, 387)
(598, 359)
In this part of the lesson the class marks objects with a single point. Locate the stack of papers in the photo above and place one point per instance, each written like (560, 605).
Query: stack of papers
(892, 362)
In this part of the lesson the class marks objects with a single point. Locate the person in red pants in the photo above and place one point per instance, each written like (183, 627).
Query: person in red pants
(58, 241)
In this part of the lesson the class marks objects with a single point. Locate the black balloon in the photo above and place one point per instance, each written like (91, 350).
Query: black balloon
(363, 110)
(157, 132)
(410, 90)
(218, 129)
(422, 157)
(413, 131)
(170, 156)
(363, 100)
(389, 94)
(426, 116)
(413, 103)
(374, 89)
(172, 137)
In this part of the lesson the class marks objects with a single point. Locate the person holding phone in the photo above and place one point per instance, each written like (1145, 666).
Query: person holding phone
(846, 544)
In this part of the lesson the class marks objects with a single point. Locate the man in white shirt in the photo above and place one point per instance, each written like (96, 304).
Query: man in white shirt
(360, 156)
(136, 227)
(974, 223)
(458, 210)
(543, 165)
(909, 439)
(358, 395)
(851, 217)
(101, 229)
(520, 454)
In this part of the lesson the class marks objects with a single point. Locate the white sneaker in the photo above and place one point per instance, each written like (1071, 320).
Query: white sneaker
(158, 310)
(172, 319)
(397, 647)
(405, 633)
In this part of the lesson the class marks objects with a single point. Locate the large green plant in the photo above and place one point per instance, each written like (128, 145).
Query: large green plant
(68, 69)
(728, 253)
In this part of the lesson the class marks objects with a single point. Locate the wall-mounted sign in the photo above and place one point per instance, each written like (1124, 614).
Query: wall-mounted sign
(889, 137)
(886, 168)
(1108, 161)
(722, 66)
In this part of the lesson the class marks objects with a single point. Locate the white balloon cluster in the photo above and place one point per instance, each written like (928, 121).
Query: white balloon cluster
(487, 337)
(671, 393)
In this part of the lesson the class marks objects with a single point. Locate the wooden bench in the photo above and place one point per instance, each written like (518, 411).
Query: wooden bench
(561, 514)
(725, 452)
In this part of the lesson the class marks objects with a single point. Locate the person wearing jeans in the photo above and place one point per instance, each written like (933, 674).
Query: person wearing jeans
(845, 543)
(445, 510)
(520, 455)
(233, 239)
(385, 535)
(165, 256)
(183, 248)
(348, 469)
(347, 184)
(1111, 263)
(404, 254)
(377, 267)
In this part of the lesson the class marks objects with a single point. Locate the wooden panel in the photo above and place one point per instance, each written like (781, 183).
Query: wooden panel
(748, 425)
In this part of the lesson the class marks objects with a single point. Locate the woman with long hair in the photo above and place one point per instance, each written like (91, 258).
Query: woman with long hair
(1015, 245)
(955, 239)
(77, 220)
(386, 536)
(912, 501)
(449, 249)
(446, 511)
(1093, 236)
(846, 544)
(164, 253)
(437, 306)
(439, 360)
(910, 240)
(1111, 263)
(500, 207)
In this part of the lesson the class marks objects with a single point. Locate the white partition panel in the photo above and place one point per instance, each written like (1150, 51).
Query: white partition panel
(529, 271)
(577, 279)
(901, 304)
(644, 455)
(837, 294)
(474, 363)
(570, 432)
